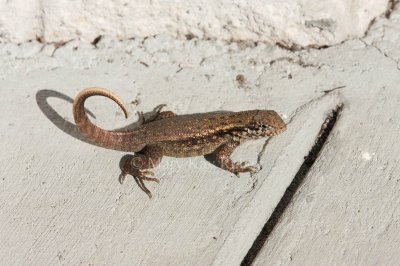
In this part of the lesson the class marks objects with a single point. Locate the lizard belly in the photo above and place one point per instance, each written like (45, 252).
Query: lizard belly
(192, 147)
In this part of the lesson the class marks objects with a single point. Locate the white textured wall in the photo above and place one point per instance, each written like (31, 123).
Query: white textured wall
(291, 23)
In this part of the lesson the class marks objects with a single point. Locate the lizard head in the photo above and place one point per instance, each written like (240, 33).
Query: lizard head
(266, 123)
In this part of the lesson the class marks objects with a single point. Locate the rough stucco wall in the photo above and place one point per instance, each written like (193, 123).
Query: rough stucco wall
(294, 23)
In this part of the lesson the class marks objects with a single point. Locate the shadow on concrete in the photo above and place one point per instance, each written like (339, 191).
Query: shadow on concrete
(54, 117)
(66, 126)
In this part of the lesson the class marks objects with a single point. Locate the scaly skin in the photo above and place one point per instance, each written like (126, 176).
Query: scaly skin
(168, 134)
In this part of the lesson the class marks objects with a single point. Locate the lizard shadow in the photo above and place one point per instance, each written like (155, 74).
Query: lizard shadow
(54, 117)
(64, 125)
(212, 159)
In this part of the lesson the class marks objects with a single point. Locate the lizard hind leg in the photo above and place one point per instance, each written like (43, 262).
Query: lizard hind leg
(222, 156)
(138, 166)
(158, 115)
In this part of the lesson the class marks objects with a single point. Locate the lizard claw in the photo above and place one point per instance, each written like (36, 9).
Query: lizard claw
(253, 168)
(138, 173)
(141, 117)
(148, 176)
(121, 177)
(145, 173)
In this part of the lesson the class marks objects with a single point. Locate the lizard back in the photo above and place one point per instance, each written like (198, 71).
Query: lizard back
(183, 127)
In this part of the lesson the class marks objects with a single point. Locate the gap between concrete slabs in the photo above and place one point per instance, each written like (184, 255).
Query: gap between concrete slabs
(308, 163)
(304, 128)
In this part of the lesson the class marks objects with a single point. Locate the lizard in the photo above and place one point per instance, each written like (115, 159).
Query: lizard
(214, 134)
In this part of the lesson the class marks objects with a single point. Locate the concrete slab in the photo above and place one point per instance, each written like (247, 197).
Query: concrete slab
(297, 23)
(61, 198)
(61, 201)
(346, 212)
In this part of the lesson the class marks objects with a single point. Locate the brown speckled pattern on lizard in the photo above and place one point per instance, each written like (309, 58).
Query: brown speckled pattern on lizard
(173, 135)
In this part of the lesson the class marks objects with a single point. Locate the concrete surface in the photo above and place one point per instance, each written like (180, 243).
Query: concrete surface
(347, 211)
(292, 24)
(60, 199)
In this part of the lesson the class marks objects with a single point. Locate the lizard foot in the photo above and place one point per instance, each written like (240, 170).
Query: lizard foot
(243, 168)
(139, 175)
(222, 155)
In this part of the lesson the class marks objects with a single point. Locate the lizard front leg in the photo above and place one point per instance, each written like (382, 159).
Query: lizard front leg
(223, 157)
(139, 164)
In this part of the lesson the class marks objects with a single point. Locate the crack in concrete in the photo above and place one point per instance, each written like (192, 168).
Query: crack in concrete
(299, 61)
(262, 151)
(397, 62)
(336, 88)
(391, 6)
(294, 47)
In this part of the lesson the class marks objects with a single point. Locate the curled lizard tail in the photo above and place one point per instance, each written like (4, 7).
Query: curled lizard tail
(117, 140)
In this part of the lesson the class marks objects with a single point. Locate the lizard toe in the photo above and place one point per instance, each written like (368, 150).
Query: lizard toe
(245, 167)
(148, 176)
(244, 164)
(146, 173)
(252, 169)
(121, 177)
